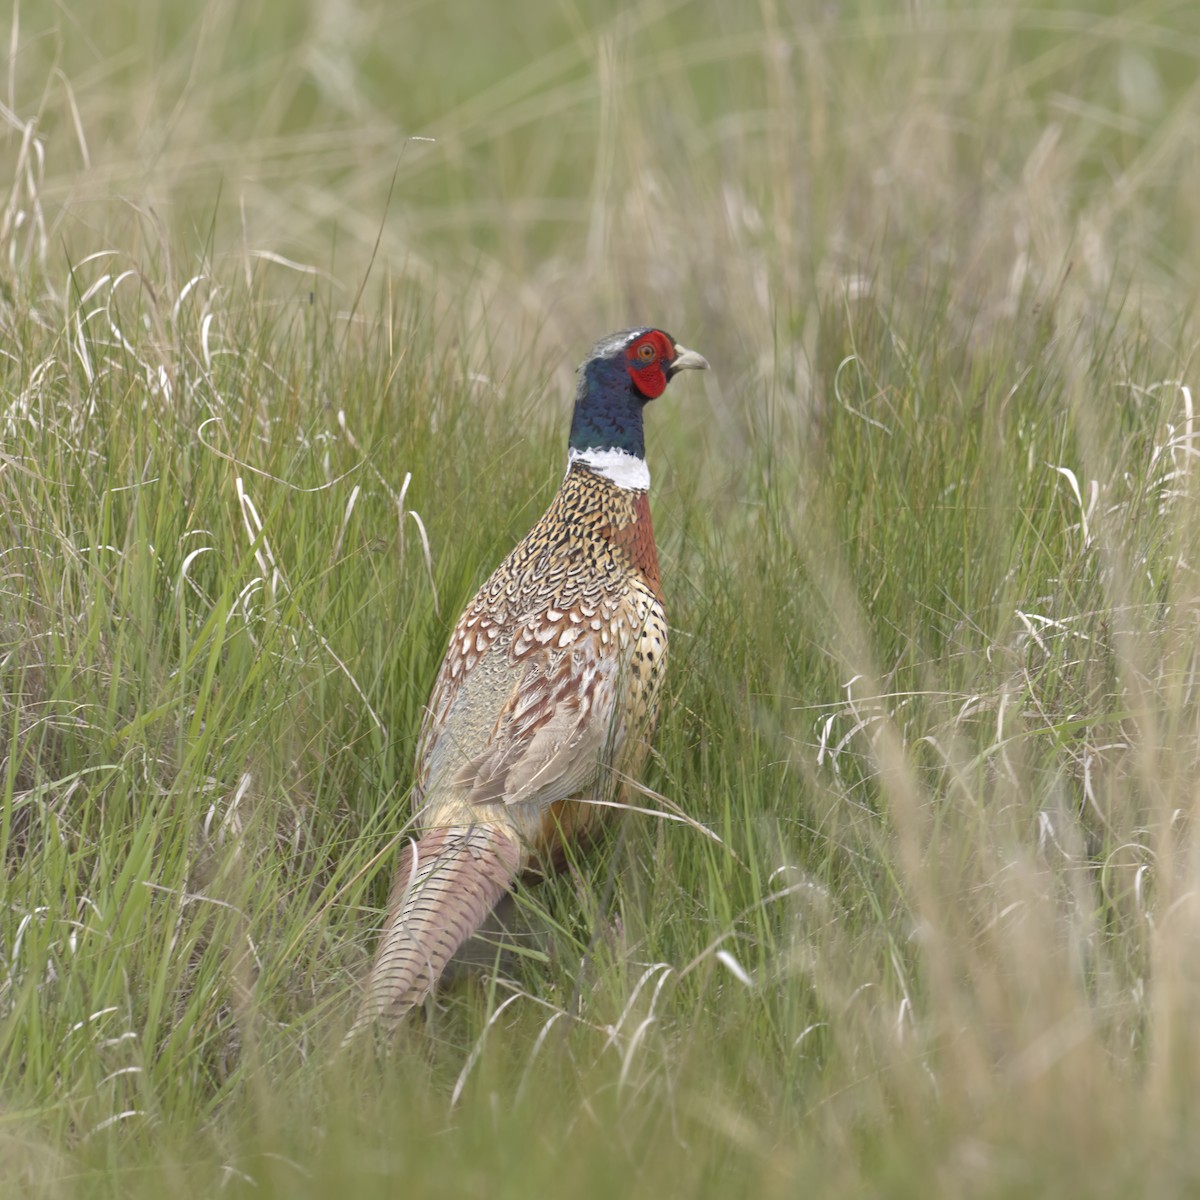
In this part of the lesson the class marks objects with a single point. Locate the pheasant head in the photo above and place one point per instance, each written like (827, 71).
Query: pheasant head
(623, 373)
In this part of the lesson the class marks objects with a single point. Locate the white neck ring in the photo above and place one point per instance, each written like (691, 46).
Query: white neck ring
(618, 466)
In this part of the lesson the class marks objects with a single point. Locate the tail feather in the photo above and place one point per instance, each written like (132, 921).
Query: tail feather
(446, 885)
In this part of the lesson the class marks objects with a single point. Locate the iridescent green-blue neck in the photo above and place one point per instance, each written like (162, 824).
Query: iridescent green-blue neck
(608, 410)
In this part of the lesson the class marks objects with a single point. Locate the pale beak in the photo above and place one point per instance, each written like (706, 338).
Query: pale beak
(687, 360)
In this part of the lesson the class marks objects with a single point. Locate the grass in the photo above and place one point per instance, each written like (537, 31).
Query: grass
(278, 387)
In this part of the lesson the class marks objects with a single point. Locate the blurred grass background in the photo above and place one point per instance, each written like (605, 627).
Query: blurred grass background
(290, 301)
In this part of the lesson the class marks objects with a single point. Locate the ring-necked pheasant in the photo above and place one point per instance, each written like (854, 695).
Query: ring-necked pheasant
(549, 689)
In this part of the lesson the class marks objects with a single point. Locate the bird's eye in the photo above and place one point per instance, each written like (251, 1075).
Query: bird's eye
(646, 352)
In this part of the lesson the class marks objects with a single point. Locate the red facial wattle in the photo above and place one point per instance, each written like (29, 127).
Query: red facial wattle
(647, 360)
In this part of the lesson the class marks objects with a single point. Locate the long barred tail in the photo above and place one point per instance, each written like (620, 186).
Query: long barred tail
(446, 884)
